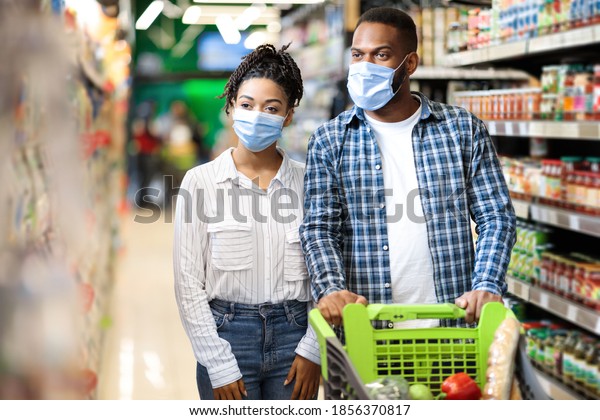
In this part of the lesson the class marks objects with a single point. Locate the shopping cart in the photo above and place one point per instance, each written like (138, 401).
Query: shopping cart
(420, 355)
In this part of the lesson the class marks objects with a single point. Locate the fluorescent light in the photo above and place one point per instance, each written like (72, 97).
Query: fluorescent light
(228, 30)
(260, 1)
(255, 39)
(192, 15)
(150, 14)
(235, 11)
(248, 16)
(274, 27)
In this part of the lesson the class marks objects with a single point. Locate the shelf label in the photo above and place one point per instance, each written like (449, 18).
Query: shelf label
(523, 129)
(589, 131)
(536, 129)
(492, 128)
(598, 325)
(544, 300)
(572, 313)
(521, 209)
(508, 127)
(574, 222)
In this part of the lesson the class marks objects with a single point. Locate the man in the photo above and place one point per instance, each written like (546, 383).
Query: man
(391, 184)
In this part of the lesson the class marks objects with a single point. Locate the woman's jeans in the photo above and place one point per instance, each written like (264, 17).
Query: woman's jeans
(263, 339)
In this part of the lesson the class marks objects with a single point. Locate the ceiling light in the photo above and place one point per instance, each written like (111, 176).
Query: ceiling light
(274, 27)
(228, 30)
(260, 1)
(150, 14)
(192, 15)
(248, 16)
(255, 39)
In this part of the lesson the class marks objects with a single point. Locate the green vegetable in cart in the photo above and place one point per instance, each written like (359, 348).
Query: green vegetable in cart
(388, 388)
(420, 392)
(460, 386)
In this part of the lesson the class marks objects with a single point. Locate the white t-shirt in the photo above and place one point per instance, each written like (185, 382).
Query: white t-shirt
(410, 256)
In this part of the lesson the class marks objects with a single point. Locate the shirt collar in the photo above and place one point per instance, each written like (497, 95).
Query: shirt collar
(428, 109)
(226, 170)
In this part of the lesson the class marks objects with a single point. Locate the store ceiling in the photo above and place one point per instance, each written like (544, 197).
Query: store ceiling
(168, 31)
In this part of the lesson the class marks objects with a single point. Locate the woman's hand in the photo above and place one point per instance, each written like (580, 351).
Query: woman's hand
(308, 375)
(232, 391)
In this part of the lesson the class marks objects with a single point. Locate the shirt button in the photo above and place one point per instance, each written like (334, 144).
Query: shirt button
(387, 285)
(377, 167)
(382, 206)
(385, 248)
(390, 325)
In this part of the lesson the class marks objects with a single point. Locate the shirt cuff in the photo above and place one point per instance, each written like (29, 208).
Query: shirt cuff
(490, 286)
(329, 291)
(308, 347)
(224, 374)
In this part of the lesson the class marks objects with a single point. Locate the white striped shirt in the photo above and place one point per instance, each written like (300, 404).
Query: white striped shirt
(238, 243)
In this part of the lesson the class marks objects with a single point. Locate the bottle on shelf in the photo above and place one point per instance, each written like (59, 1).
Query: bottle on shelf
(568, 368)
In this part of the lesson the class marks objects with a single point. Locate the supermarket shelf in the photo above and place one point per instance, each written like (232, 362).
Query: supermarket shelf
(557, 389)
(553, 42)
(554, 388)
(575, 130)
(565, 219)
(580, 315)
(576, 222)
(449, 73)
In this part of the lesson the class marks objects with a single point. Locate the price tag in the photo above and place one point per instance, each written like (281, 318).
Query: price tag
(523, 129)
(536, 129)
(509, 128)
(598, 325)
(572, 313)
(492, 128)
(574, 222)
(544, 300)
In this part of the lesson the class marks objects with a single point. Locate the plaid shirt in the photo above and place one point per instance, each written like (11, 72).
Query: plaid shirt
(344, 233)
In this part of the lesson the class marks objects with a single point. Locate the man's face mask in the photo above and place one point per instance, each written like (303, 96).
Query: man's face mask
(370, 85)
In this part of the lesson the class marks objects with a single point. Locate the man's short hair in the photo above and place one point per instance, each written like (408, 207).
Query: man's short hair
(398, 19)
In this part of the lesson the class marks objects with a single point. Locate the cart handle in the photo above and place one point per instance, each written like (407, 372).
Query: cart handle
(399, 313)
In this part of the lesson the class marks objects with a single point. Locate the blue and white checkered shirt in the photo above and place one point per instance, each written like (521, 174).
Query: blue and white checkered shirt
(344, 233)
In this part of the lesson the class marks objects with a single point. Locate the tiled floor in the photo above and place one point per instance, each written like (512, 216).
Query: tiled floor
(146, 352)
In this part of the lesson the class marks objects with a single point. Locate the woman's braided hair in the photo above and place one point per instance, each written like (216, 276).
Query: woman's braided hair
(268, 63)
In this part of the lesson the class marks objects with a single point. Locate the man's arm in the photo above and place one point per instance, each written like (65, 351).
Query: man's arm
(321, 231)
(492, 210)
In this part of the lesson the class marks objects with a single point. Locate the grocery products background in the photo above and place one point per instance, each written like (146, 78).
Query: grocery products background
(101, 98)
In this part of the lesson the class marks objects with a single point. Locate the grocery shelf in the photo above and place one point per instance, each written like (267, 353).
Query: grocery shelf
(546, 43)
(574, 130)
(580, 315)
(554, 388)
(565, 219)
(449, 73)
(553, 216)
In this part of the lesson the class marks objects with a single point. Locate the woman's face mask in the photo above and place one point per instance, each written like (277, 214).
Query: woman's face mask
(370, 85)
(257, 130)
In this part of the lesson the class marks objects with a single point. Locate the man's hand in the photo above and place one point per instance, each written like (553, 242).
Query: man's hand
(232, 391)
(331, 305)
(473, 301)
(307, 376)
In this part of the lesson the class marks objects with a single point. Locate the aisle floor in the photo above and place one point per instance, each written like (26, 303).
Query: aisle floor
(146, 352)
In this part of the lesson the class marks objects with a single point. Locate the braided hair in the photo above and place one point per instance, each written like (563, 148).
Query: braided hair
(268, 63)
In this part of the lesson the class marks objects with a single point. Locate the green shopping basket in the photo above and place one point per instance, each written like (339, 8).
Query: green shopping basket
(420, 355)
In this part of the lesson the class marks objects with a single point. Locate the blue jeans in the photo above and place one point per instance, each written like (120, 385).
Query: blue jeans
(263, 339)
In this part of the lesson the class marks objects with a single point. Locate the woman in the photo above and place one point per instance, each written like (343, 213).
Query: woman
(240, 278)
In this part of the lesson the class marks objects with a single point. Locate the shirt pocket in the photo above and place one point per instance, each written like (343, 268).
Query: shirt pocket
(231, 245)
(293, 257)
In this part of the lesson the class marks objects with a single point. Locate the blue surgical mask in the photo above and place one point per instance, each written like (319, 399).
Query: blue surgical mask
(370, 85)
(257, 130)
